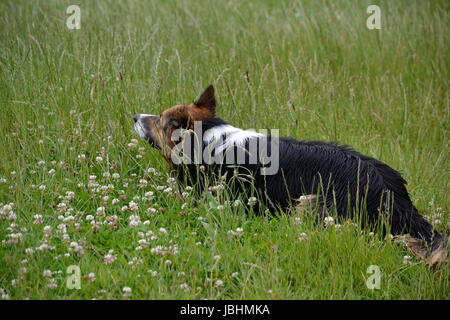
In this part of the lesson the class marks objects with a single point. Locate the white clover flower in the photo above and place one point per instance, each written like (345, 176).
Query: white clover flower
(42, 187)
(62, 206)
(47, 229)
(234, 274)
(136, 262)
(133, 206)
(116, 176)
(329, 221)
(153, 273)
(52, 284)
(218, 283)
(151, 211)
(132, 145)
(109, 258)
(15, 237)
(47, 273)
(143, 183)
(407, 260)
(149, 195)
(165, 251)
(168, 190)
(171, 180)
(22, 271)
(37, 219)
(70, 195)
(303, 237)
(238, 233)
(134, 221)
(220, 207)
(126, 292)
(252, 201)
(101, 211)
(184, 286)
(99, 159)
(162, 231)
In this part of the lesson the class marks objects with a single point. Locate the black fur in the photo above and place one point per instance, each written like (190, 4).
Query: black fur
(345, 180)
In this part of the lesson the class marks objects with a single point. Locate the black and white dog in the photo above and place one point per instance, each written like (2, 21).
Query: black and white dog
(283, 171)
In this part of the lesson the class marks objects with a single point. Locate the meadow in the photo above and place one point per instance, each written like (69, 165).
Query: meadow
(80, 192)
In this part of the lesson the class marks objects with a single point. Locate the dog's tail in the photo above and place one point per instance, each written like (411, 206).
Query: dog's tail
(407, 223)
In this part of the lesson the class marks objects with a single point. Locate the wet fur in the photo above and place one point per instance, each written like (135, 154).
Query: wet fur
(345, 182)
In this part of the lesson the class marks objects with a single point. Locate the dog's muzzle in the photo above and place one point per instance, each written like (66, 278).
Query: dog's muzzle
(143, 129)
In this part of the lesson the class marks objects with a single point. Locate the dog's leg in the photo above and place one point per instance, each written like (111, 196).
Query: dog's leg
(420, 250)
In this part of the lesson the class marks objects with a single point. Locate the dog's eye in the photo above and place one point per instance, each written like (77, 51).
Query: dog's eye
(175, 123)
(157, 122)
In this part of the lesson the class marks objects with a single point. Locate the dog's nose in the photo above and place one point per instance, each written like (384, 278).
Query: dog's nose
(136, 118)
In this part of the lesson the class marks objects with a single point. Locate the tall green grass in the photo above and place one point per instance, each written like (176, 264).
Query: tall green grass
(310, 68)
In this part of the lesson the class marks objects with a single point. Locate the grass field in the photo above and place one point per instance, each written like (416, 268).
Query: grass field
(74, 185)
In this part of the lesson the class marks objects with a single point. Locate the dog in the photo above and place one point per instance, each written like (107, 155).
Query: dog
(325, 176)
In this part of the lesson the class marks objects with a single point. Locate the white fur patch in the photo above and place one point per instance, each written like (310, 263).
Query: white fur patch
(233, 136)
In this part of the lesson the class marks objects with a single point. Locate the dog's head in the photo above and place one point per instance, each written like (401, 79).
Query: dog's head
(158, 130)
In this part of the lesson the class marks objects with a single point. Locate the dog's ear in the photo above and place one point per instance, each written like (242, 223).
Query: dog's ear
(207, 100)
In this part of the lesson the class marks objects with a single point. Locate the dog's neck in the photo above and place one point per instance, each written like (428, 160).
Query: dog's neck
(227, 134)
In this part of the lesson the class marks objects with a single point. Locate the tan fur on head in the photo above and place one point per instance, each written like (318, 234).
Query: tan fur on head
(180, 116)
